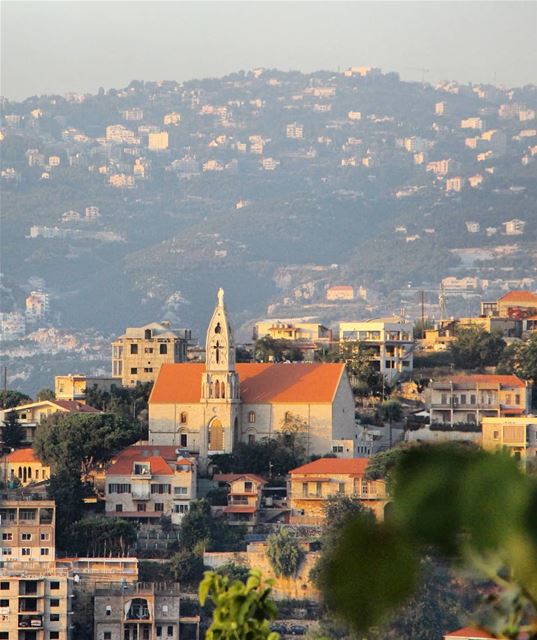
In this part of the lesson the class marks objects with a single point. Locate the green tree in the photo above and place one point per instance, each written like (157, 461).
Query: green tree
(359, 359)
(198, 529)
(475, 348)
(520, 358)
(187, 567)
(391, 411)
(284, 553)
(474, 508)
(234, 571)
(99, 536)
(68, 491)
(268, 349)
(241, 611)
(13, 433)
(45, 394)
(10, 399)
(78, 441)
(130, 403)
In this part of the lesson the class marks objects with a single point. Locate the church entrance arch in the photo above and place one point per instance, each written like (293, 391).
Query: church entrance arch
(215, 436)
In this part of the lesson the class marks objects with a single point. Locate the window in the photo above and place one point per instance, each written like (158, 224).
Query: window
(25, 551)
(134, 370)
(54, 635)
(305, 489)
(26, 536)
(4, 586)
(148, 369)
(134, 349)
(44, 551)
(251, 438)
(443, 399)
(7, 536)
(119, 507)
(170, 630)
(517, 398)
(508, 399)
(4, 635)
(107, 635)
(180, 508)
(337, 448)
(5, 551)
(159, 506)
(472, 399)
(54, 602)
(251, 417)
(159, 632)
(183, 417)
(341, 487)
(54, 585)
(248, 487)
(161, 488)
(182, 491)
(4, 602)
(183, 440)
(108, 609)
(140, 507)
(496, 435)
(463, 398)
(164, 608)
(54, 617)
(148, 350)
(163, 349)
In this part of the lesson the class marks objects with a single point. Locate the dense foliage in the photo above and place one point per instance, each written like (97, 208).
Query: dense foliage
(199, 531)
(11, 398)
(475, 348)
(12, 433)
(472, 507)
(284, 553)
(242, 611)
(520, 358)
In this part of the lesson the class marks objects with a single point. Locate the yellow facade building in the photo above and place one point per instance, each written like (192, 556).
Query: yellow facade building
(518, 435)
(311, 485)
(23, 467)
(158, 141)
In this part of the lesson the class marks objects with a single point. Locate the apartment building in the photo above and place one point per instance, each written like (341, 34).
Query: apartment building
(295, 130)
(37, 306)
(139, 353)
(389, 340)
(294, 330)
(35, 603)
(310, 486)
(469, 399)
(514, 304)
(31, 415)
(244, 497)
(141, 611)
(518, 435)
(27, 529)
(22, 467)
(145, 482)
(74, 386)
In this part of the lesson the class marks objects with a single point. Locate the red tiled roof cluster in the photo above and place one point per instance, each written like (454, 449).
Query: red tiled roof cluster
(160, 459)
(333, 466)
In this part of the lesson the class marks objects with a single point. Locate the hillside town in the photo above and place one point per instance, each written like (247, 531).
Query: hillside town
(119, 489)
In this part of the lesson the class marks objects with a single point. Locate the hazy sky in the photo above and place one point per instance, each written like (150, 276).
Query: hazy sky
(55, 47)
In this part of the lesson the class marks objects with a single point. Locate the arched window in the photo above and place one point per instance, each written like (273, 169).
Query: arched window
(183, 418)
(20, 473)
(29, 473)
(223, 390)
(288, 416)
(251, 417)
(217, 389)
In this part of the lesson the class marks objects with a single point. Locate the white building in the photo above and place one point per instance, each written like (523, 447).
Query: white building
(390, 341)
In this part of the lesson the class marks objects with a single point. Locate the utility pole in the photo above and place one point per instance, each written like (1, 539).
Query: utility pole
(423, 313)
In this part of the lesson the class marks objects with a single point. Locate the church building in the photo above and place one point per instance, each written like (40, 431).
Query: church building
(208, 408)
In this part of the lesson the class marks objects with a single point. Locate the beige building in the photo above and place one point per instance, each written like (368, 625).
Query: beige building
(27, 530)
(310, 486)
(158, 141)
(209, 407)
(35, 603)
(139, 353)
(390, 341)
(469, 399)
(518, 435)
(23, 467)
(141, 611)
(145, 482)
(244, 497)
(340, 292)
(31, 415)
(293, 330)
(74, 386)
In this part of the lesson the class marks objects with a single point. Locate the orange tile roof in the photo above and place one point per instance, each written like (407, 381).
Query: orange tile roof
(334, 466)
(75, 406)
(21, 455)
(487, 378)
(519, 296)
(259, 383)
(159, 459)
(471, 633)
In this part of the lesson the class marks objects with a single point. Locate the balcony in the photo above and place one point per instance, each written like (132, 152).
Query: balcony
(30, 622)
(141, 494)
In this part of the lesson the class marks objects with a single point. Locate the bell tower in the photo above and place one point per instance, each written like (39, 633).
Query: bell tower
(220, 389)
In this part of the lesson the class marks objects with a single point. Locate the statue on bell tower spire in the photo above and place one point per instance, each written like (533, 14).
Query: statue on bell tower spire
(220, 297)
